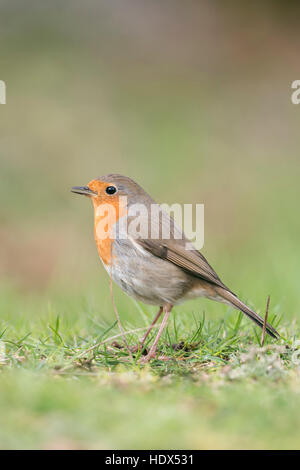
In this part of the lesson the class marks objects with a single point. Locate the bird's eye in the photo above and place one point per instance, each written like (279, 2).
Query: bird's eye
(111, 190)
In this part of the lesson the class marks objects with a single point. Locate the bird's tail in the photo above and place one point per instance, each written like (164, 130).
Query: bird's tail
(234, 301)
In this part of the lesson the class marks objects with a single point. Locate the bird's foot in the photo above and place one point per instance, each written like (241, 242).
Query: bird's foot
(149, 356)
(133, 349)
(165, 358)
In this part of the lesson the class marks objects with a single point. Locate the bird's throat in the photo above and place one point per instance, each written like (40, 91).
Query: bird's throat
(105, 218)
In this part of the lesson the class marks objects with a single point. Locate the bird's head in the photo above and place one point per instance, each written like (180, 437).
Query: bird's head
(114, 192)
(109, 188)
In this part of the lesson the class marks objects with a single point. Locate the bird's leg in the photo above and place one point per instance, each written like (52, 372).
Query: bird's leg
(152, 352)
(152, 324)
(141, 343)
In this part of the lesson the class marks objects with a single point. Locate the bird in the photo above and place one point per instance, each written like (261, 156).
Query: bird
(148, 265)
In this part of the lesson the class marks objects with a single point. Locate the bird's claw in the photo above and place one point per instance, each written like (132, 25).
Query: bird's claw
(149, 356)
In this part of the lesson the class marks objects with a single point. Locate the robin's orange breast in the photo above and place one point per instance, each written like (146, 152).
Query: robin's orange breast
(107, 215)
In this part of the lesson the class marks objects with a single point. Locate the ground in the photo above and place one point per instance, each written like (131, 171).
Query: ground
(66, 383)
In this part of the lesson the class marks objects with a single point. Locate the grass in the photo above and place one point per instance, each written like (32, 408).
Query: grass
(65, 383)
(103, 95)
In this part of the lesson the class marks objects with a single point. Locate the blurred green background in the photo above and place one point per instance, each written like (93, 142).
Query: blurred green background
(191, 99)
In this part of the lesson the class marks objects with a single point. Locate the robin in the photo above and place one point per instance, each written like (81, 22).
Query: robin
(148, 265)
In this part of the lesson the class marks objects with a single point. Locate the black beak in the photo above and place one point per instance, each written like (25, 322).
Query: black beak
(83, 190)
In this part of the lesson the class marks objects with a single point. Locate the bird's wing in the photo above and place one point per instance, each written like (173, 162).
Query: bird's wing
(177, 249)
(191, 261)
